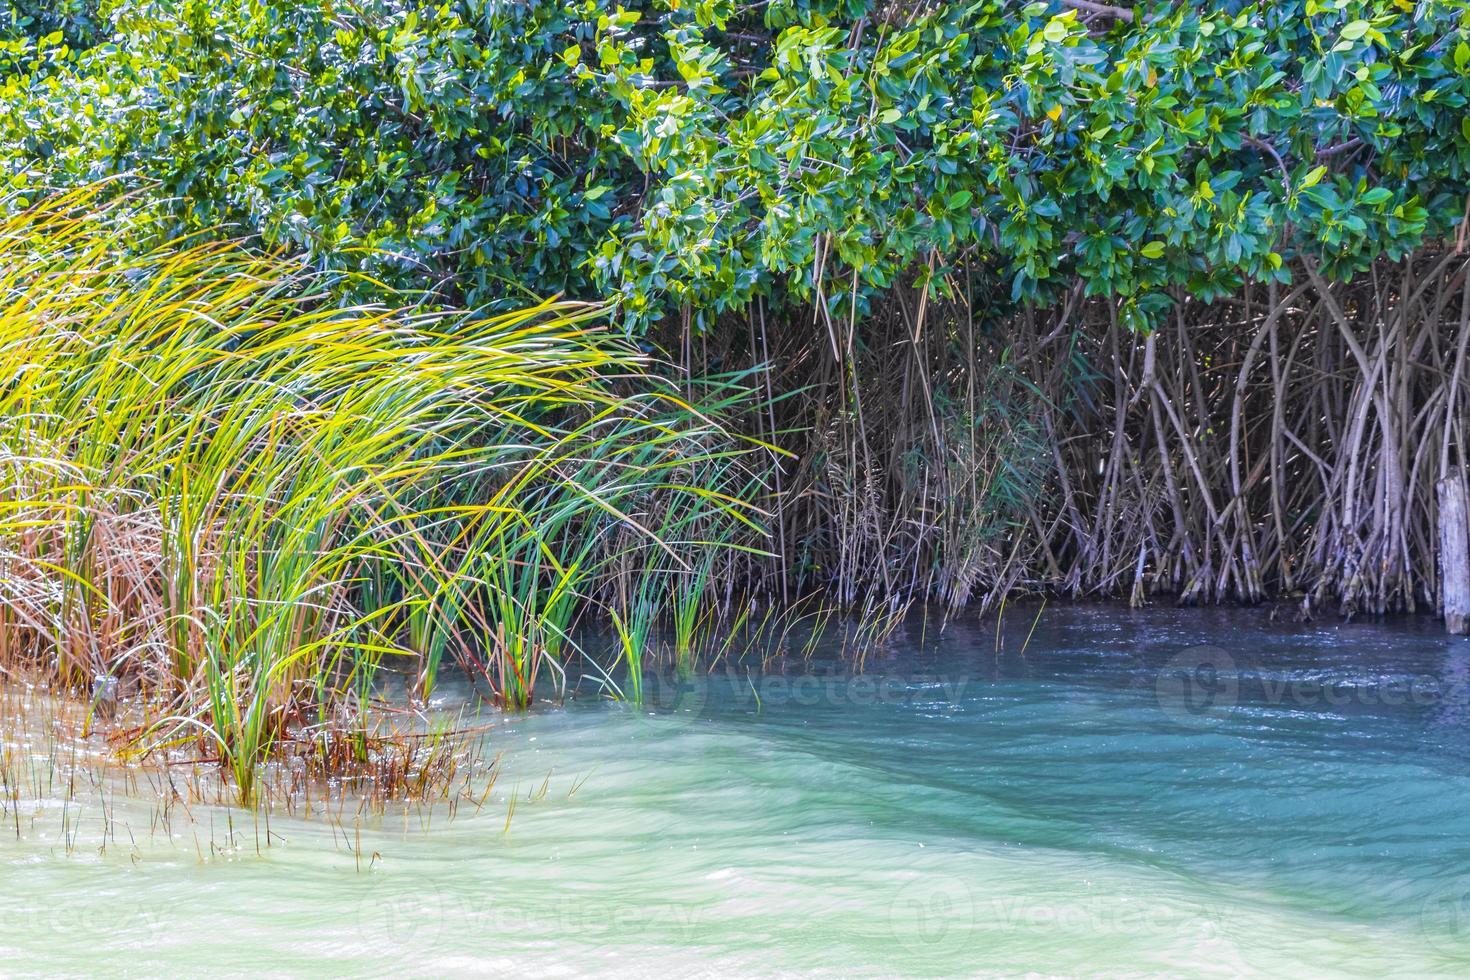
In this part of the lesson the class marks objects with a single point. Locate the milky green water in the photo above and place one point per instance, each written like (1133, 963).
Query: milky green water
(1285, 801)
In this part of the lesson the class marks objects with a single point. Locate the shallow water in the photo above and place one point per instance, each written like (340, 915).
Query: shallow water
(1143, 793)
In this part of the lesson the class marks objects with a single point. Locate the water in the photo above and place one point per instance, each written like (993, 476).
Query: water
(1286, 800)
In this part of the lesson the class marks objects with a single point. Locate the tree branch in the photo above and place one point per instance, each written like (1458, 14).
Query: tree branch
(1328, 151)
(1121, 13)
(1267, 148)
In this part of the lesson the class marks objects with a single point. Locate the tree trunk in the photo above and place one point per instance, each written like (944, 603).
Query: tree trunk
(1454, 555)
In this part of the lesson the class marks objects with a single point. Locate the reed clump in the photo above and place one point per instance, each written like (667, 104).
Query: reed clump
(229, 503)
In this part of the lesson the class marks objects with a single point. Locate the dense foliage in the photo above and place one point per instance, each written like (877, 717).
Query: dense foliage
(694, 154)
(926, 233)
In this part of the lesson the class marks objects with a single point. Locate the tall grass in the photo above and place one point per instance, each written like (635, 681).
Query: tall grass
(240, 501)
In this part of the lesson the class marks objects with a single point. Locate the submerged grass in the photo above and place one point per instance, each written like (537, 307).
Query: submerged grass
(61, 785)
(232, 503)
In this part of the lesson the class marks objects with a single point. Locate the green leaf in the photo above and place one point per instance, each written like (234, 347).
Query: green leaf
(1312, 178)
(1355, 30)
(959, 199)
(1462, 55)
(1056, 31)
(1153, 250)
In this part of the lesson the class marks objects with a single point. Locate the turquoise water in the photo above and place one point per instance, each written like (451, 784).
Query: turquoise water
(1143, 793)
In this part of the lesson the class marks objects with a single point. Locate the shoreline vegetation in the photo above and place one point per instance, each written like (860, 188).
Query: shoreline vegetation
(227, 502)
(61, 761)
(877, 307)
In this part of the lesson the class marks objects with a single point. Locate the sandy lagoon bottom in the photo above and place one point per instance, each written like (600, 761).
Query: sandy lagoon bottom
(1141, 793)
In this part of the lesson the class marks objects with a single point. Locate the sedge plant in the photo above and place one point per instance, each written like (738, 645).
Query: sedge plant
(239, 498)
